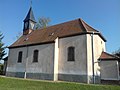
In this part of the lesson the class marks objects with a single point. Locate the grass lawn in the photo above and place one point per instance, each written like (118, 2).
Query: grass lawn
(21, 84)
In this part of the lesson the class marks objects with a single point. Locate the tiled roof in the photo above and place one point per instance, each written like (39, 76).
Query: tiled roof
(49, 34)
(107, 56)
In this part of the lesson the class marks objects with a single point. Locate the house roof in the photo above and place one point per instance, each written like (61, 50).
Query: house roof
(107, 56)
(30, 16)
(49, 34)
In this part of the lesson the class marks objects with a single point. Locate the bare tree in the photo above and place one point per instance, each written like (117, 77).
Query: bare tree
(43, 22)
(19, 34)
(117, 52)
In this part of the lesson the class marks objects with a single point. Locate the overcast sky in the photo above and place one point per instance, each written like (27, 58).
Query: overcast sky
(103, 15)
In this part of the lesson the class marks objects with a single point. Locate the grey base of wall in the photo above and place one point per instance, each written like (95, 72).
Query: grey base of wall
(61, 77)
(78, 78)
(111, 82)
(73, 78)
(41, 76)
(97, 79)
(15, 74)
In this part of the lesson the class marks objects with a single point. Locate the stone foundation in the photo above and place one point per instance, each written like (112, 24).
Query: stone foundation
(73, 78)
(15, 74)
(97, 80)
(41, 76)
(111, 82)
(61, 77)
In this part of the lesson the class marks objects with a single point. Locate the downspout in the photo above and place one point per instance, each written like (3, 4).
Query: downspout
(92, 47)
(26, 59)
(118, 70)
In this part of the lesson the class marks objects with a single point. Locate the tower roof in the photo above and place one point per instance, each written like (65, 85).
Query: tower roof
(30, 16)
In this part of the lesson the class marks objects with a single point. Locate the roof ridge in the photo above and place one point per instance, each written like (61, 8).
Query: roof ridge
(59, 24)
(83, 22)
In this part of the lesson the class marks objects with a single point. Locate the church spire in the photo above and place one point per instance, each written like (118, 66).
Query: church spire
(30, 16)
(29, 22)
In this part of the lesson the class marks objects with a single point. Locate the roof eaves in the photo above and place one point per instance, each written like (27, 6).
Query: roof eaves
(107, 59)
(76, 34)
(33, 44)
(102, 36)
(112, 57)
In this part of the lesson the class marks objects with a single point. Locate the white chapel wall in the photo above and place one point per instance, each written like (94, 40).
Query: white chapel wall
(13, 65)
(77, 67)
(45, 59)
(44, 64)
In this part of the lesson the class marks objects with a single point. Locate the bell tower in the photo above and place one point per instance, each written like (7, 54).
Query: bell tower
(29, 22)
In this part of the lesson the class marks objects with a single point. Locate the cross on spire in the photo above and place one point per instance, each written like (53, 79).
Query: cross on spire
(30, 3)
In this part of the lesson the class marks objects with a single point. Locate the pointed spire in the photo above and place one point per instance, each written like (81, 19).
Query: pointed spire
(30, 15)
(29, 22)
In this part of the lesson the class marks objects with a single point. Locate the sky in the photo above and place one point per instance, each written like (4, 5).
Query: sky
(103, 15)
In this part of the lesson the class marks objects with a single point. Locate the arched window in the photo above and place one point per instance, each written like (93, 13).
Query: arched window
(20, 57)
(71, 53)
(35, 56)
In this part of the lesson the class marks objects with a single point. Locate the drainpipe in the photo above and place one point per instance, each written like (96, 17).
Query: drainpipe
(92, 46)
(26, 59)
(118, 70)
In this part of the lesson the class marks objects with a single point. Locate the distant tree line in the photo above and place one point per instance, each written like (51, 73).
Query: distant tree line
(117, 52)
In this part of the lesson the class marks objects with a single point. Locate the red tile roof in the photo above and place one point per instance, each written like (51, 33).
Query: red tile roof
(107, 56)
(49, 34)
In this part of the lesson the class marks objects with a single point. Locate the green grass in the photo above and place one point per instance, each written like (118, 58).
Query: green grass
(21, 84)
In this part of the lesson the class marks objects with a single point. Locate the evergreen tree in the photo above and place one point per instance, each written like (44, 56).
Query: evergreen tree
(2, 47)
